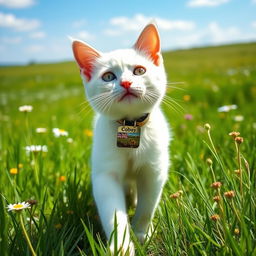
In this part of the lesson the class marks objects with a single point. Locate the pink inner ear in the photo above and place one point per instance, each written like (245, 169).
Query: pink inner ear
(85, 57)
(149, 43)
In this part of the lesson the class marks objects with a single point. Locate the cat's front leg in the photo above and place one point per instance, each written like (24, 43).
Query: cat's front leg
(150, 182)
(110, 199)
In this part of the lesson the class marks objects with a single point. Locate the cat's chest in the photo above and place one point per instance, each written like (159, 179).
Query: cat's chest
(136, 140)
(152, 137)
(152, 149)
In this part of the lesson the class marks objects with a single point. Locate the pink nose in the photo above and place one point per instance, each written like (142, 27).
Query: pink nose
(126, 84)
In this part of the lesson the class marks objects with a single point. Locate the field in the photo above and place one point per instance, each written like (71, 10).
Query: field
(209, 203)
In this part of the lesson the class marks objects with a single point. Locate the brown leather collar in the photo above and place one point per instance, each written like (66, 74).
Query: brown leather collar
(137, 122)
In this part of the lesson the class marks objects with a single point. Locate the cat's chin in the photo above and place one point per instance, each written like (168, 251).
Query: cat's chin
(128, 97)
(126, 110)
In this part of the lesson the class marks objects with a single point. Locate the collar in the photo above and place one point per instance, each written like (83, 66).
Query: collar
(136, 122)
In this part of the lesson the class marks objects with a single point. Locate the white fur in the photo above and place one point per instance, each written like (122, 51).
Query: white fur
(117, 170)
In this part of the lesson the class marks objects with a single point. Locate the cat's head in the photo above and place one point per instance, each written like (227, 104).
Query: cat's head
(123, 83)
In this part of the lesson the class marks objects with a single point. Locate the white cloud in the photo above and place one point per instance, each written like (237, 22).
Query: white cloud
(208, 3)
(111, 32)
(37, 35)
(79, 23)
(221, 35)
(175, 24)
(120, 25)
(84, 35)
(2, 48)
(183, 33)
(11, 40)
(254, 1)
(254, 23)
(12, 22)
(34, 48)
(129, 24)
(17, 3)
(212, 34)
(181, 41)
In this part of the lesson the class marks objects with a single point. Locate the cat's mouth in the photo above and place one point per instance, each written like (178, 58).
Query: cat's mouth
(128, 95)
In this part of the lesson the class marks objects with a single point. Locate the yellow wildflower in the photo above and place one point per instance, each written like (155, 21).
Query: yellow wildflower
(13, 171)
(88, 132)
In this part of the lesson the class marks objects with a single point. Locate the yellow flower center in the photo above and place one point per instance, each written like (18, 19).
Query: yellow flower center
(88, 133)
(62, 130)
(62, 178)
(13, 171)
(186, 97)
(18, 206)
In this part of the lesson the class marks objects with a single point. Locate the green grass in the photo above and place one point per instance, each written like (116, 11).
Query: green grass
(65, 222)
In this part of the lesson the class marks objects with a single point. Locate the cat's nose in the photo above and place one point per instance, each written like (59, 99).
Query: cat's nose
(126, 84)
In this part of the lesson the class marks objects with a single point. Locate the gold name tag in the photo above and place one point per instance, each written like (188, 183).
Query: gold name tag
(128, 136)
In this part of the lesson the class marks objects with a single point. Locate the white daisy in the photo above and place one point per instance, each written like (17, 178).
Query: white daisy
(36, 148)
(18, 206)
(59, 132)
(25, 108)
(227, 108)
(70, 140)
(41, 130)
(238, 118)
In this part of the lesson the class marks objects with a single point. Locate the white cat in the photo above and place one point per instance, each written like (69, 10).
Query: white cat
(131, 136)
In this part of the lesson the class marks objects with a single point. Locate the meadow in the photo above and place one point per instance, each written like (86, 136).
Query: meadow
(209, 202)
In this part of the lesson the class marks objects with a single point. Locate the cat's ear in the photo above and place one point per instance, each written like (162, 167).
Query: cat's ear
(149, 43)
(85, 57)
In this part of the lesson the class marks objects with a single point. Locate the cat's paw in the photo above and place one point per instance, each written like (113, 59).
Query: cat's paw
(141, 236)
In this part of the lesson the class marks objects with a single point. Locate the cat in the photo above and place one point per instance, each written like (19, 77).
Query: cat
(131, 135)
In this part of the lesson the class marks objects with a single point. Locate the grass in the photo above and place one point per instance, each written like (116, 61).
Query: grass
(64, 220)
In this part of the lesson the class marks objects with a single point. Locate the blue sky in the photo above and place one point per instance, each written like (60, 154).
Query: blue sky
(38, 30)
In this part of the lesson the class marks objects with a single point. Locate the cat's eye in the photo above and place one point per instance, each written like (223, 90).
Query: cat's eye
(108, 76)
(139, 70)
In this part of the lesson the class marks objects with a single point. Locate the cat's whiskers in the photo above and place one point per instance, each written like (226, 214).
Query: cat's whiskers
(151, 97)
(103, 94)
(170, 102)
(85, 105)
(174, 101)
(99, 103)
(137, 90)
(173, 105)
(106, 104)
(100, 98)
(103, 101)
(170, 85)
(97, 99)
(148, 99)
(87, 110)
(152, 94)
(84, 112)
(110, 103)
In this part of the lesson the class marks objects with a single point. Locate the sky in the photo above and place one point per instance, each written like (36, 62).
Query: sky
(39, 30)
